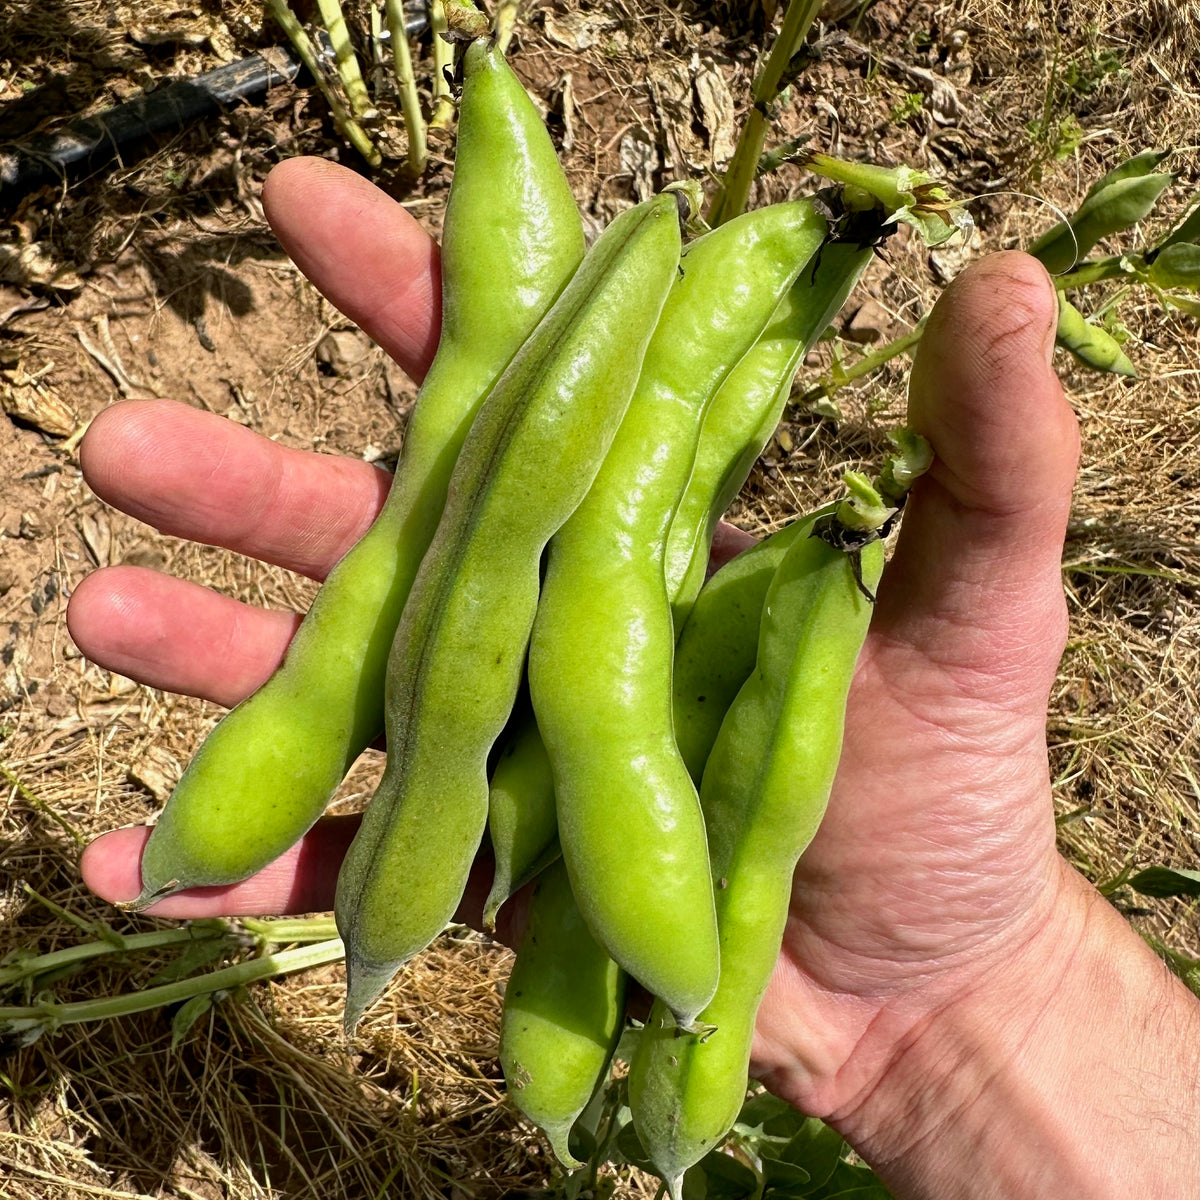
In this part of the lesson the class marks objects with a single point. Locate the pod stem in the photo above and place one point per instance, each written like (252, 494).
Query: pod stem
(730, 199)
(912, 197)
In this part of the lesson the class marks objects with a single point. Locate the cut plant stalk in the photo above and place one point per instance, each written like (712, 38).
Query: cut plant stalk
(344, 57)
(350, 128)
(506, 23)
(442, 116)
(112, 943)
(406, 85)
(730, 199)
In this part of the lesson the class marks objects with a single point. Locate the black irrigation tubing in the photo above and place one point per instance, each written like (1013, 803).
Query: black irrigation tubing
(127, 130)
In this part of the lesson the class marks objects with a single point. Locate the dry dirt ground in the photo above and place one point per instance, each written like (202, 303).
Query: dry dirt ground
(158, 277)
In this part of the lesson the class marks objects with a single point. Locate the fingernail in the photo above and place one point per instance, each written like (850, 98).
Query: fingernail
(1050, 334)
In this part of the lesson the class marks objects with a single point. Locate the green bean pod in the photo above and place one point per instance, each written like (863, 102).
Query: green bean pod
(718, 645)
(563, 1011)
(1093, 345)
(600, 658)
(521, 820)
(1112, 208)
(740, 421)
(511, 240)
(764, 792)
(743, 415)
(746, 411)
(455, 665)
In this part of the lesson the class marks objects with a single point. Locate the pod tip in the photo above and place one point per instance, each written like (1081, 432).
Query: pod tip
(558, 1135)
(364, 985)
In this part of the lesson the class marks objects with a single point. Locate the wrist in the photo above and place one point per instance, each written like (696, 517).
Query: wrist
(1066, 1068)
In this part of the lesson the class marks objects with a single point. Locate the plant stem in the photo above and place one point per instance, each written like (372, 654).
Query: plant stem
(841, 376)
(406, 83)
(443, 58)
(54, 1015)
(734, 191)
(153, 940)
(286, 930)
(1118, 266)
(353, 132)
(506, 23)
(334, 21)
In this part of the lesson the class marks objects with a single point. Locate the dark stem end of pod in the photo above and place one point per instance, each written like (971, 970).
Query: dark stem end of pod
(150, 895)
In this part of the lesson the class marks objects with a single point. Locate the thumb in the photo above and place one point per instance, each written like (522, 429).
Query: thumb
(975, 582)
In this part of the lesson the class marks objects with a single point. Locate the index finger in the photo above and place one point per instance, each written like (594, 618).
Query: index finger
(363, 252)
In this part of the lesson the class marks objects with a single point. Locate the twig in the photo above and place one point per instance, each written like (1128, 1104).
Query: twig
(155, 939)
(41, 805)
(51, 1015)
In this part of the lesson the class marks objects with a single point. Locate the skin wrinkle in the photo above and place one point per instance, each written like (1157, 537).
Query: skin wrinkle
(889, 1008)
(981, 985)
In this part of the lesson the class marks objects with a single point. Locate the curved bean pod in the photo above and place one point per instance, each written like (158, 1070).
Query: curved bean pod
(600, 657)
(455, 665)
(740, 421)
(718, 645)
(746, 411)
(512, 238)
(1114, 207)
(764, 792)
(1093, 345)
(521, 820)
(564, 1007)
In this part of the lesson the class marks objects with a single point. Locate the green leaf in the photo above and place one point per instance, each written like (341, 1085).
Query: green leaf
(629, 1146)
(775, 1117)
(1177, 266)
(189, 1013)
(853, 1180)
(1131, 168)
(785, 1176)
(868, 1191)
(723, 1176)
(817, 1147)
(1166, 881)
(1187, 304)
(1186, 229)
(194, 957)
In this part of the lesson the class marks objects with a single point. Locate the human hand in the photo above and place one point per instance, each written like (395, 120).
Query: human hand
(935, 872)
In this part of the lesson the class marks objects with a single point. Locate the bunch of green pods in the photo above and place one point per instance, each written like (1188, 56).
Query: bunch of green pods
(587, 419)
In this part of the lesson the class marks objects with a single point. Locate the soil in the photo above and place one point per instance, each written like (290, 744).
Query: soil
(158, 277)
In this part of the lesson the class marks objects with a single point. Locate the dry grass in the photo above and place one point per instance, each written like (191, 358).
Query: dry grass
(261, 1098)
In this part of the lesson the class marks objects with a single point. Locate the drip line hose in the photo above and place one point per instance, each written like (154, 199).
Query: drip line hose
(119, 133)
